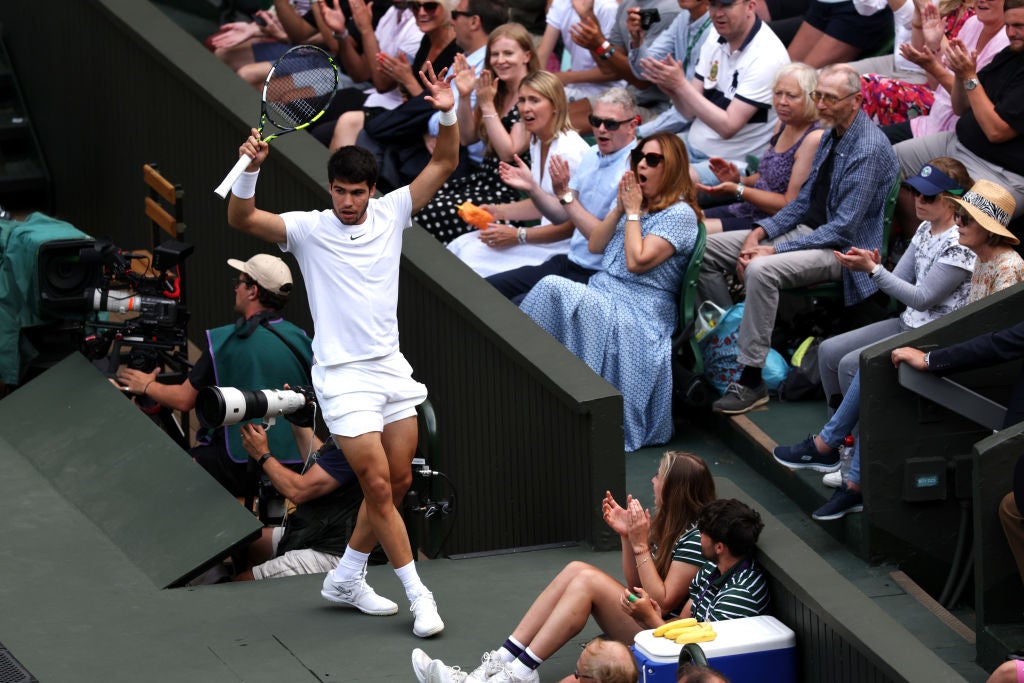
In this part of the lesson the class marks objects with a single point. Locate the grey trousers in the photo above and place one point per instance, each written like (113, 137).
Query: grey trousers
(839, 356)
(763, 279)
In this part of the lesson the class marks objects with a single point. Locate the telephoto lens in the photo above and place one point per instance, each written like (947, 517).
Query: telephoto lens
(219, 406)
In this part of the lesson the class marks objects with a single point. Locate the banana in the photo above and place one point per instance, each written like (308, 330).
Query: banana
(701, 636)
(674, 633)
(678, 623)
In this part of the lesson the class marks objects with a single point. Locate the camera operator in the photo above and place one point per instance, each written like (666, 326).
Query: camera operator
(327, 498)
(260, 351)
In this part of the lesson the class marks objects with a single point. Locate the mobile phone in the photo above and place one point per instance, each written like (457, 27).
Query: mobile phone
(260, 21)
(649, 17)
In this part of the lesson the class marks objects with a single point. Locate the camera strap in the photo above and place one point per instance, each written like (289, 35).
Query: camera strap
(265, 323)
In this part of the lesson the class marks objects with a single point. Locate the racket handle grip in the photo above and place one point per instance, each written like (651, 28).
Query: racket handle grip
(233, 175)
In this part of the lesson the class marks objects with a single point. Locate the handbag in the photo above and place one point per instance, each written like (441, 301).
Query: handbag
(709, 314)
(718, 348)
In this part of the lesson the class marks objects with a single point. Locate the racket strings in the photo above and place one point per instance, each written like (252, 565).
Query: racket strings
(301, 86)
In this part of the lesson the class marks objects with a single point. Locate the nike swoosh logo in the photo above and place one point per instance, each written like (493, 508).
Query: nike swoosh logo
(355, 237)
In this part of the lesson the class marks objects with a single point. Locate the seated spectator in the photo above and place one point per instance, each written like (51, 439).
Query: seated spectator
(495, 120)
(260, 351)
(251, 48)
(399, 75)
(1010, 671)
(981, 216)
(621, 323)
(730, 585)
(990, 102)
(581, 76)
(683, 39)
(542, 106)
(834, 32)
(982, 32)
(611, 49)
(327, 498)
(683, 487)
(729, 101)
(784, 166)
(840, 206)
(595, 184)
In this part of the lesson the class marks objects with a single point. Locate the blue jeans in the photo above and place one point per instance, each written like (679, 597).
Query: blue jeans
(843, 423)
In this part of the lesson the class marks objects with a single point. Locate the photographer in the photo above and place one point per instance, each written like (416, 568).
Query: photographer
(260, 351)
(327, 498)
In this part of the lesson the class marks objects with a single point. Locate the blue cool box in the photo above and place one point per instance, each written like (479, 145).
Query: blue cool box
(751, 650)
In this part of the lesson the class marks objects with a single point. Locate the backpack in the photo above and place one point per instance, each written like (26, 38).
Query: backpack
(803, 382)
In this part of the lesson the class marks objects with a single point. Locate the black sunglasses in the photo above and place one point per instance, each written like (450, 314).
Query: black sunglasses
(609, 124)
(926, 198)
(459, 13)
(651, 158)
(235, 281)
(429, 7)
(962, 217)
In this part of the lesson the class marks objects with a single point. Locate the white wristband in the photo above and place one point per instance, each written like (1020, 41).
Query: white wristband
(876, 270)
(245, 186)
(449, 118)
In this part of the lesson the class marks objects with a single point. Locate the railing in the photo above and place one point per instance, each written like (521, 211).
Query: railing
(530, 436)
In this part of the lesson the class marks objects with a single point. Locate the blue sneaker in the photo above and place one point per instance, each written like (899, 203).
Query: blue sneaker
(843, 502)
(805, 455)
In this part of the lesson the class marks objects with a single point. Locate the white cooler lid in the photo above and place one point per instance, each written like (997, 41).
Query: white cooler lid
(735, 637)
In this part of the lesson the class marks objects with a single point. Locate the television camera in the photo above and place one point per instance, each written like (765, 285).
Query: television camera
(83, 282)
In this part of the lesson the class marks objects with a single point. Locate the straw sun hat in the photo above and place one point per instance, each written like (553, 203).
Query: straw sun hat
(991, 205)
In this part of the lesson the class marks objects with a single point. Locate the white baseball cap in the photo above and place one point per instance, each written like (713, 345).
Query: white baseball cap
(270, 272)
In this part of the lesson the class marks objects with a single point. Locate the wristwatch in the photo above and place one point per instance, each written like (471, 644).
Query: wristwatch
(633, 217)
(928, 360)
(567, 198)
(263, 459)
(970, 84)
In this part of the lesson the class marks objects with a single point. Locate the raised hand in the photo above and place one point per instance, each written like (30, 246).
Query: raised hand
(725, 171)
(961, 60)
(721, 190)
(858, 259)
(587, 33)
(920, 56)
(438, 87)
(486, 89)
(639, 523)
(465, 77)
(932, 26)
(254, 148)
(333, 16)
(630, 197)
(362, 15)
(273, 28)
(516, 175)
(397, 67)
(558, 169)
(234, 33)
(614, 515)
(667, 74)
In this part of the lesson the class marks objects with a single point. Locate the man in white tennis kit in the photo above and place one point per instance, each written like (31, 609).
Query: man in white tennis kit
(349, 257)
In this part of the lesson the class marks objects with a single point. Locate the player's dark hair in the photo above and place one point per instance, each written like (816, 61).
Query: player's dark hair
(352, 164)
(1013, 4)
(733, 523)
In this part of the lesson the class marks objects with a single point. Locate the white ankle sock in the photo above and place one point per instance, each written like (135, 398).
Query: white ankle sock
(351, 565)
(519, 669)
(410, 581)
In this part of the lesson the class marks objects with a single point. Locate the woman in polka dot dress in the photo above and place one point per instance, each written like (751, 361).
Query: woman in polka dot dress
(495, 122)
(621, 323)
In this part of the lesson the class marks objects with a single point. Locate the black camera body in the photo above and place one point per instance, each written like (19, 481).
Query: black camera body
(81, 280)
(649, 17)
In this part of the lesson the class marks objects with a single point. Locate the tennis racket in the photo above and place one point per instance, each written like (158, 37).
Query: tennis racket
(297, 92)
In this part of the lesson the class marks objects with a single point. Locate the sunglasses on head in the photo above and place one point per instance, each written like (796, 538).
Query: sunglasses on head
(651, 158)
(609, 124)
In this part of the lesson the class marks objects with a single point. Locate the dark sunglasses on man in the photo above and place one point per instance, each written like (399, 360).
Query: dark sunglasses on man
(609, 124)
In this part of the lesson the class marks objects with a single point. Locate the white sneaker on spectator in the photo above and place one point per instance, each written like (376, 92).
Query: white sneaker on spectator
(438, 672)
(833, 479)
(490, 664)
(357, 593)
(427, 621)
(506, 676)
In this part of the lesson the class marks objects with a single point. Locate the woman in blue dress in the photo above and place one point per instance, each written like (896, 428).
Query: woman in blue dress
(621, 323)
